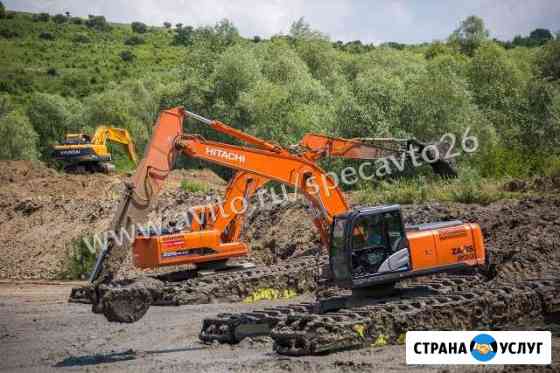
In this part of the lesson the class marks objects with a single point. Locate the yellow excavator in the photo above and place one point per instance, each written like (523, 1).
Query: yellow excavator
(82, 153)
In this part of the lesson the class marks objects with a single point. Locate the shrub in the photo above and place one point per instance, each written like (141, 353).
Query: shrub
(11, 15)
(52, 71)
(139, 27)
(193, 186)
(549, 60)
(76, 21)
(183, 35)
(45, 35)
(81, 38)
(41, 17)
(127, 56)
(134, 40)
(98, 23)
(51, 116)
(80, 259)
(59, 18)
(18, 140)
(8, 34)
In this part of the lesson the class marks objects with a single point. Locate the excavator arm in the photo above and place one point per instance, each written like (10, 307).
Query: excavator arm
(118, 135)
(318, 146)
(139, 193)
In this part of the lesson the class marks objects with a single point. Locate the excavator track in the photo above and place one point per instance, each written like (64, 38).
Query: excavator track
(232, 328)
(285, 279)
(491, 307)
(295, 276)
(299, 330)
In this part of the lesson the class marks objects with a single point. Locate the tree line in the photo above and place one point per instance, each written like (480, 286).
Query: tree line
(281, 88)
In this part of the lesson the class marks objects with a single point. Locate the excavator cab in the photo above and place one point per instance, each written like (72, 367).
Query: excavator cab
(368, 244)
(76, 139)
(371, 247)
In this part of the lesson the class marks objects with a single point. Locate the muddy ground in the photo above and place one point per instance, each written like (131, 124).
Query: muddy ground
(40, 331)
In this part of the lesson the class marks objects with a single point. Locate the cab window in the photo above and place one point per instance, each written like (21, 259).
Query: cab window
(394, 230)
(368, 232)
(339, 264)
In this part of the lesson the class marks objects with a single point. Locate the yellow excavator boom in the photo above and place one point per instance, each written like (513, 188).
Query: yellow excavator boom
(118, 135)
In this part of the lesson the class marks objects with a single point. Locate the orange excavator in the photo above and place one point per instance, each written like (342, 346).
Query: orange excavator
(367, 246)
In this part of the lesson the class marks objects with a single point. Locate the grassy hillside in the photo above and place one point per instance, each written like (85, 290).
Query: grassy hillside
(57, 75)
(77, 60)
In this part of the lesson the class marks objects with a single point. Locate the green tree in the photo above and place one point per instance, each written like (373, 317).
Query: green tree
(127, 56)
(380, 96)
(59, 18)
(183, 36)
(437, 48)
(139, 27)
(540, 36)
(439, 102)
(41, 17)
(236, 72)
(2, 10)
(45, 35)
(470, 35)
(548, 60)
(496, 81)
(18, 140)
(132, 105)
(301, 30)
(134, 40)
(51, 116)
(98, 23)
(226, 30)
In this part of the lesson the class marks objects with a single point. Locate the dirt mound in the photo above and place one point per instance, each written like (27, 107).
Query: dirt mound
(21, 171)
(543, 184)
(43, 212)
(280, 231)
(204, 176)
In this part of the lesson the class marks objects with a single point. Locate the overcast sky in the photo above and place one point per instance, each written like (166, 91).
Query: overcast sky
(374, 21)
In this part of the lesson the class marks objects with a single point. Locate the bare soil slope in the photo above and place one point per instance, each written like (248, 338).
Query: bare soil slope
(43, 211)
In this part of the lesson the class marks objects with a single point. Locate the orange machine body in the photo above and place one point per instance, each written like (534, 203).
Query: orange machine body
(436, 248)
(185, 247)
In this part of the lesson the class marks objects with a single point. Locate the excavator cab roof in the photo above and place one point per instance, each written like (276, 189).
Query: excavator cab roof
(369, 209)
(76, 139)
